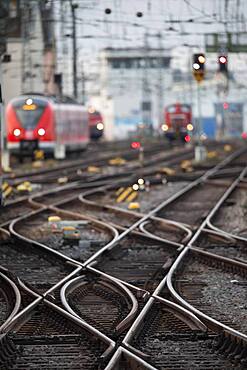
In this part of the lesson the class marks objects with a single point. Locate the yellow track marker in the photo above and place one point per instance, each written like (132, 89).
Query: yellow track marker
(39, 154)
(168, 171)
(134, 205)
(118, 161)
(132, 196)
(124, 195)
(7, 192)
(4, 186)
(62, 180)
(227, 148)
(37, 164)
(212, 154)
(119, 191)
(185, 164)
(93, 169)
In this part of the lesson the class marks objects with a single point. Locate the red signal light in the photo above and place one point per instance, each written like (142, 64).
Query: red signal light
(222, 59)
(244, 135)
(135, 145)
(187, 138)
(225, 105)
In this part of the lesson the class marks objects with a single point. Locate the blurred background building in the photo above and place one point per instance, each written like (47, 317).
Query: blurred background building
(130, 66)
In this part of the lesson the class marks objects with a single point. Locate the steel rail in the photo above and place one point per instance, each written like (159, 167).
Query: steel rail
(187, 305)
(90, 329)
(219, 204)
(76, 263)
(140, 292)
(169, 278)
(159, 238)
(192, 321)
(71, 285)
(17, 301)
(115, 362)
(22, 315)
(168, 201)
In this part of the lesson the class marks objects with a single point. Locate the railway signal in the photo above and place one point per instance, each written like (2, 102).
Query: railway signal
(199, 66)
(223, 64)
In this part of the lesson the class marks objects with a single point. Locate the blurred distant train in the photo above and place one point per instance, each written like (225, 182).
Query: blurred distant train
(177, 123)
(96, 125)
(35, 122)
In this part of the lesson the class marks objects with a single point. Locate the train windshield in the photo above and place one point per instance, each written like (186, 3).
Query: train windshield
(29, 112)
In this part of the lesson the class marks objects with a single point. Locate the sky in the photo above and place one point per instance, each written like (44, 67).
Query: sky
(179, 22)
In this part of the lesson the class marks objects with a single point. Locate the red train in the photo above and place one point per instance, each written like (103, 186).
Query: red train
(96, 125)
(177, 123)
(40, 122)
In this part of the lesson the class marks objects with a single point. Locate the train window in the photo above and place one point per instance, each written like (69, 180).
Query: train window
(185, 108)
(171, 109)
(29, 118)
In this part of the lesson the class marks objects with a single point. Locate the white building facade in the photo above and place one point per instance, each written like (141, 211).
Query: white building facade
(132, 84)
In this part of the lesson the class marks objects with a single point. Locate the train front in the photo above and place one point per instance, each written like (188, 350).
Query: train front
(29, 124)
(177, 122)
(96, 125)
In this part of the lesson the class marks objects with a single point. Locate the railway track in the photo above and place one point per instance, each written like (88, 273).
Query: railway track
(36, 267)
(35, 227)
(138, 261)
(49, 338)
(216, 286)
(223, 245)
(167, 336)
(231, 216)
(121, 293)
(104, 303)
(78, 169)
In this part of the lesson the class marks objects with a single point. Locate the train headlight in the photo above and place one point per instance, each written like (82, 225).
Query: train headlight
(41, 131)
(190, 127)
(17, 132)
(29, 101)
(164, 127)
(100, 126)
